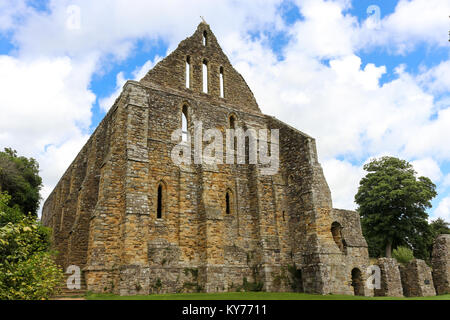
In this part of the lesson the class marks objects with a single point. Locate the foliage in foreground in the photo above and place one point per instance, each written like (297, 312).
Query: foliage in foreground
(27, 269)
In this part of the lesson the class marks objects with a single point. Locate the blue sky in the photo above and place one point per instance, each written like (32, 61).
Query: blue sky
(362, 86)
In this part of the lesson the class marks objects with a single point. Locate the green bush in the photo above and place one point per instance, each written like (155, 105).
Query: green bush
(27, 269)
(403, 254)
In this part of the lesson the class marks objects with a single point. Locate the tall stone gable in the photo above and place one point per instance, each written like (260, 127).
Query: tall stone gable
(137, 223)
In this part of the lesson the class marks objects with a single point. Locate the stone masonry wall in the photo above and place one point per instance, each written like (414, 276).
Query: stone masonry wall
(416, 279)
(391, 283)
(441, 263)
(104, 211)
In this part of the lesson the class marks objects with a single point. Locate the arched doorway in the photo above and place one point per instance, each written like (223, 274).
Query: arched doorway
(357, 282)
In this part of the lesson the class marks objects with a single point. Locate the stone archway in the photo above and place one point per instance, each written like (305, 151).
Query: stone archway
(357, 282)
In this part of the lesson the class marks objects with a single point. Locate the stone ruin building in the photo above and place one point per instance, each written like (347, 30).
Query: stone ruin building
(136, 223)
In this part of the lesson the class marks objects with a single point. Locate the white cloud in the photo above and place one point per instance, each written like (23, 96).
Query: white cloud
(325, 30)
(446, 180)
(115, 29)
(46, 111)
(9, 14)
(427, 167)
(443, 210)
(343, 179)
(413, 22)
(437, 79)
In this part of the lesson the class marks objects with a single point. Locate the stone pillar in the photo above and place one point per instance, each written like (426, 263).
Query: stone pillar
(441, 264)
(391, 283)
(416, 279)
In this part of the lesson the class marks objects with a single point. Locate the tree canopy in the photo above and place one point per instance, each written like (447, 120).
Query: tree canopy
(19, 176)
(439, 226)
(392, 204)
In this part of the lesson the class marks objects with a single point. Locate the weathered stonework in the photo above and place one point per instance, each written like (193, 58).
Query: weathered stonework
(441, 264)
(417, 280)
(105, 209)
(390, 282)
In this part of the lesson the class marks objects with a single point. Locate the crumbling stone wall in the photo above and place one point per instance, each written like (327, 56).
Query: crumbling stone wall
(441, 263)
(416, 278)
(390, 282)
(104, 209)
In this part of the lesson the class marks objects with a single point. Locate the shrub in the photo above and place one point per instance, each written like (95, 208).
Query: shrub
(27, 269)
(35, 278)
(403, 254)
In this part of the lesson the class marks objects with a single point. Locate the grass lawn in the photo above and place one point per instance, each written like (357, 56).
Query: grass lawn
(250, 296)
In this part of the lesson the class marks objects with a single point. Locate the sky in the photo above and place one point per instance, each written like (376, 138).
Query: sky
(365, 78)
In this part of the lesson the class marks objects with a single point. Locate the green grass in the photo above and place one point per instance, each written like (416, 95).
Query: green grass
(250, 296)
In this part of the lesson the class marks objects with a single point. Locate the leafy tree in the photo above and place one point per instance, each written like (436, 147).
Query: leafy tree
(392, 203)
(19, 176)
(27, 269)
(439, 226)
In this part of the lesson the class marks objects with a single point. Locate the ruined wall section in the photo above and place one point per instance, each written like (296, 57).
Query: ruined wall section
(69, 207)
(416, 279)
(106, 237)
(310, 209)
(441, 263)
(170, 73)
(390, 282)
(354, 251)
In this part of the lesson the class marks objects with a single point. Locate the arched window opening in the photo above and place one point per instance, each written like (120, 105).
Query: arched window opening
(357, 282)
(205, 76)
(283, 216)
(232, 122)
(205, 38)
(184, 124)
(221, 83)
(336, 231)
(160, 202)
(228, 206)
(188, 72)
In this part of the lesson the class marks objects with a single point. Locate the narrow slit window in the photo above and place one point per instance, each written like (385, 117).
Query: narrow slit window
(205, 38)
(232, 122)
(221, 82)
(188, 72)
(160, 204)
(184, 124)
(205, 76)
(227, 200)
